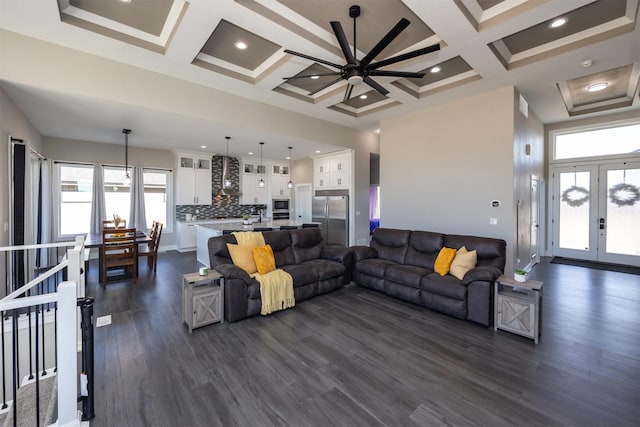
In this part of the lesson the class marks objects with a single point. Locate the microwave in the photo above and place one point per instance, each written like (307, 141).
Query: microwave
(280, 205)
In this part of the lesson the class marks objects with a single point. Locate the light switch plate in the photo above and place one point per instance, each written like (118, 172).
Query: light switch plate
(493, 221)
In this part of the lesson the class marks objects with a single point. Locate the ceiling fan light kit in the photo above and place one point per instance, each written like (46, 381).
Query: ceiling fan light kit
(358, 71)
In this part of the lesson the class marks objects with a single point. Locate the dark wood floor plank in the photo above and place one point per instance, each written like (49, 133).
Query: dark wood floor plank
(358, 358)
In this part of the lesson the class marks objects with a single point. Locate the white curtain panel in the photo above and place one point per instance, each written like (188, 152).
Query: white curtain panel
(98, 205)
(137, 214)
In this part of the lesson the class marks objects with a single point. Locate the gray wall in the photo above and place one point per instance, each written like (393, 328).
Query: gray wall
(441, 167)
(528, 130)
(12, 122)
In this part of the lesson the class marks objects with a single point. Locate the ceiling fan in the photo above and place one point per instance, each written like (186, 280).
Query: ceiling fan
(357, 71)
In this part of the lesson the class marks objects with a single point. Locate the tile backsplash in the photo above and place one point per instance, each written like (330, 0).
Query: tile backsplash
(226, 206)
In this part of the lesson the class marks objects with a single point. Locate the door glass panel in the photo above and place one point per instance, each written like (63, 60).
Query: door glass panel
(575, 198)
(623, 211)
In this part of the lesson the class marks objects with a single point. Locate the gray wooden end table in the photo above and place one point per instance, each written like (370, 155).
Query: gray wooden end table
(202, 299)
(518, 306)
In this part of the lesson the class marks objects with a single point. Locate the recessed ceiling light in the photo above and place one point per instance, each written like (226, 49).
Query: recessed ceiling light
(363, 96)
(558, 22)
(241, 45)
(203, 146)
(125, 1)
(435, 69)
(250, 153)
(315, 77)
(595, 87)
(317, 151)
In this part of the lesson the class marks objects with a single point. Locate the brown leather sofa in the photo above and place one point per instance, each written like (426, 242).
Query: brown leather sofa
(400, 263)
(316, 268)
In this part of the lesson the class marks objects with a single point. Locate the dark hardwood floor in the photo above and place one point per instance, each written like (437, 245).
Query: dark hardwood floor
(358, 358)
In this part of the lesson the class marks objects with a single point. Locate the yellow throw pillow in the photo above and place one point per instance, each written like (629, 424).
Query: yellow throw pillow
(444, 260)
(464, 261)
(264, 258)
(242, 256)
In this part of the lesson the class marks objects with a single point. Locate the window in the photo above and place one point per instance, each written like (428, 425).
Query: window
(76, 190)
(599, 142)
(117, 195)
(155, 197)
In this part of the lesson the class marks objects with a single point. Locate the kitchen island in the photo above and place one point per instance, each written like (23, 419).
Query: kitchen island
(206, 230)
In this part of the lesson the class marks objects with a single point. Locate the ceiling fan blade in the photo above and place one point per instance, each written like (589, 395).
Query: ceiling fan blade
(344, 44)
(368, 80)
(325, 86)
(384, 42)
(396, 74)
(311, 58)
(404, 56)
(347, 93)
(306, 76)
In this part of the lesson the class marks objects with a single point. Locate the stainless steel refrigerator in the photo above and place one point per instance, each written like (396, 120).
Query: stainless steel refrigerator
(331, 210)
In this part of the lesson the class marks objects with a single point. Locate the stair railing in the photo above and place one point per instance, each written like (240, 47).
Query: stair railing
(49, 298)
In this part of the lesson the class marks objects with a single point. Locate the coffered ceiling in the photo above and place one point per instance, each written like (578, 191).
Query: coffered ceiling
(484, 44)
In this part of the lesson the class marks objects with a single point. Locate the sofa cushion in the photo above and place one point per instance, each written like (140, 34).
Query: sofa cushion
(306, 244)
(408, 275)
(374, 266)
(447, 286)
(423, 249)
(390, 244)
(265, 261)
(463, 262)
(302, 274)
(491, 252)
(444, 260)
(242, 256)
(326, 269)
(280, 242)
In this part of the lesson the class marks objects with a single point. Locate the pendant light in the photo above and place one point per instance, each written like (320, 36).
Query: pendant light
(127, 178)
(290, 183)
(226, 179)
(261, 182)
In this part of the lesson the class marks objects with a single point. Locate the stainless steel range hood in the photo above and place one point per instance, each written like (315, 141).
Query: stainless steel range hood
(230, 191)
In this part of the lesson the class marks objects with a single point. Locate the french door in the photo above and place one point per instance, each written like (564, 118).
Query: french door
(596, 212)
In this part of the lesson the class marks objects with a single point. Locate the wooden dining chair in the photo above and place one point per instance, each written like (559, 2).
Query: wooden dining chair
(150, 250)
(119, 250)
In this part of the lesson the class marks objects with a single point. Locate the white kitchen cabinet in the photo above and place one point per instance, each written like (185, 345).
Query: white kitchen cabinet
(193, 179)
(279, 186)
(332, 172)
(252, 193)
(185, 236)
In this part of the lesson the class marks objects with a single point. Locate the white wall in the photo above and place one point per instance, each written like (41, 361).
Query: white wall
(441, 167)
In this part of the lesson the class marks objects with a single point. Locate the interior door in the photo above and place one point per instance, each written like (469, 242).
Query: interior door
(535, 224)
(596, 212)
(303, 202)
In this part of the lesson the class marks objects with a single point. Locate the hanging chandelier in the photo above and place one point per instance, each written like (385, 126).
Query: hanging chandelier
(261, 182)
(290, 183)
(127, 177)
(226, 180)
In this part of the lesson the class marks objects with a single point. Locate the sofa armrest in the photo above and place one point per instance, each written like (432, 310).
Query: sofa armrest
(484, 273)
(335, 253)
(231, 271)
(363, 252)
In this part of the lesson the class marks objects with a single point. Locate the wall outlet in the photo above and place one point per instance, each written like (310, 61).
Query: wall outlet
(357, 213)
(493, 221)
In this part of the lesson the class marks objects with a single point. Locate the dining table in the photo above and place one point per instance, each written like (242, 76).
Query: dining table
(94, 240)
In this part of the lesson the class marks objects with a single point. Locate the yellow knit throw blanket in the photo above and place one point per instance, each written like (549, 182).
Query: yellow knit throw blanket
(276, 291)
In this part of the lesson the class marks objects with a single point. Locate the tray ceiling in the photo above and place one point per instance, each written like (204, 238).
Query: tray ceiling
(485, 44)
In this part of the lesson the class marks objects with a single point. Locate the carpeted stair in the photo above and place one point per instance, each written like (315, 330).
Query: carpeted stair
(27, 403)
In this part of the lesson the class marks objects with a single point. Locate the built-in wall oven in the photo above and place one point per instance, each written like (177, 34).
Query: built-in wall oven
(280, 208)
